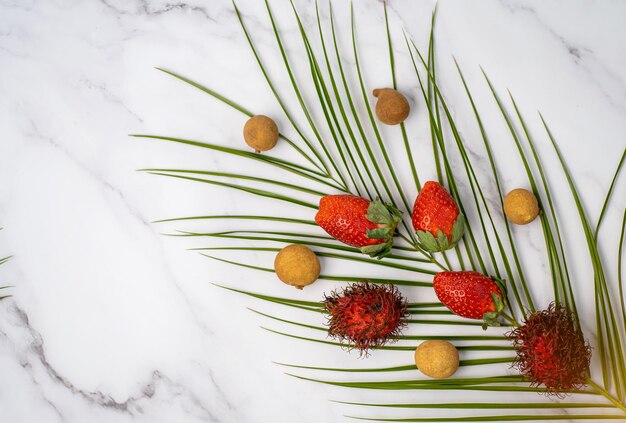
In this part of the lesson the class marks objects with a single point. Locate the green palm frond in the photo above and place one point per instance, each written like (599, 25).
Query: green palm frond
(354, 158)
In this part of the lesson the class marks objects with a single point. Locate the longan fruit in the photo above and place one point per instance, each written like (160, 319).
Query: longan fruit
(521, 206)
(297, 265)
(437, 359)
(260, 133)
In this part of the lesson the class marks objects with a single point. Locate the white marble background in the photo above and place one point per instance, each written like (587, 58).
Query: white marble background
(112, 322)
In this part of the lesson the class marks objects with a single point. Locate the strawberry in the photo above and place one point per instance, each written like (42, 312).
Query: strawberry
(438, 223)
(358, 222)
(471, 294)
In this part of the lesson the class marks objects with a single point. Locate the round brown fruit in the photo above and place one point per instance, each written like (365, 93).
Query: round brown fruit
(297, 265)
(392, 107)
(260, 133)
(521, 206)
(437, 359)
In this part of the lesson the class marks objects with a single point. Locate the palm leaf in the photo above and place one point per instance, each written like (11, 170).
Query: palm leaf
(343, 156)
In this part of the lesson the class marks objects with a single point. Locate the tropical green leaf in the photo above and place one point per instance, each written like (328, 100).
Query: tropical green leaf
(352, 161)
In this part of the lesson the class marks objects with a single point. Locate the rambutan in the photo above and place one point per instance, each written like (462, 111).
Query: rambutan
(551, 350)
(366, 315)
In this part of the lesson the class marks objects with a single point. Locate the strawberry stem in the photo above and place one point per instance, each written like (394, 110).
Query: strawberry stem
(426, 254)
(445, 259)
(509, 319)
(408, 241)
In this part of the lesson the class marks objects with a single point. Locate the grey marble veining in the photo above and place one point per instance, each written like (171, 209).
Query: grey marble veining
(112, 322)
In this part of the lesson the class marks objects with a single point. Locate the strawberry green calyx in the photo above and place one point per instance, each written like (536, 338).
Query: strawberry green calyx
(442, 242)
(387, 217)
(359, 222)
(472, 295)
(491, 318)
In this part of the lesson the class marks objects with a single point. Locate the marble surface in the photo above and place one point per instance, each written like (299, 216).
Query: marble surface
(112, 322)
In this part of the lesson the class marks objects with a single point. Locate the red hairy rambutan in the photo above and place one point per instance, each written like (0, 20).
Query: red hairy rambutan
(366, 315)
(551, 350)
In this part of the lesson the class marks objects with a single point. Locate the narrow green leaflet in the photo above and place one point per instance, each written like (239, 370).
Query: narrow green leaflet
(347, 153)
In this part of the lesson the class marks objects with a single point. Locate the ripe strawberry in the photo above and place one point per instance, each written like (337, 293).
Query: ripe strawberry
(437, 220)
(471, 294)
(358, 222)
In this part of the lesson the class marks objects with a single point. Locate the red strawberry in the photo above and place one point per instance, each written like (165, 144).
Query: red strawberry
(358, 222)
(437, 220)
(471, 294)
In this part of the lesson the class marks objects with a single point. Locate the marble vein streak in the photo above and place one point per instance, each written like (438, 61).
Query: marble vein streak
(110, 321)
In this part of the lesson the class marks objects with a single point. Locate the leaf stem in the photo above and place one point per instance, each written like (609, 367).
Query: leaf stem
(608, 195)
(510, 319)
(606, 395)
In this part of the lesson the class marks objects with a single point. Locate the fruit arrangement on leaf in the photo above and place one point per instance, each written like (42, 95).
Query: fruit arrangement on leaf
(552, 353)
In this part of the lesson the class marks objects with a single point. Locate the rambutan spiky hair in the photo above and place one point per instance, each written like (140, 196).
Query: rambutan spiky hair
(551, 350)
(365, 315)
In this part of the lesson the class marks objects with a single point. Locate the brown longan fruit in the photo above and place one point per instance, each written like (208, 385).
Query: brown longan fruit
(437, 359)
(521, 206)
(392, 107)
(260, 133)
(297, 265)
